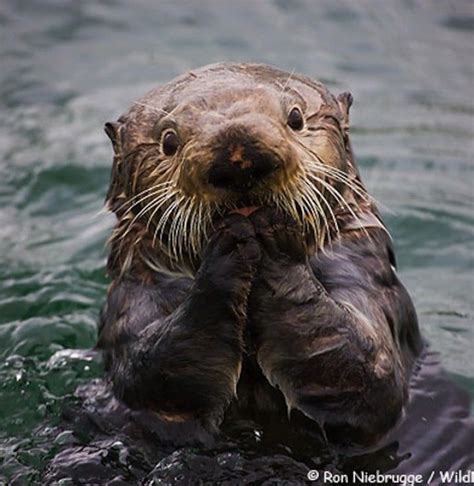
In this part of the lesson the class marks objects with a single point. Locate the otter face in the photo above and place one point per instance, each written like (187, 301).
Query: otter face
(229, 137)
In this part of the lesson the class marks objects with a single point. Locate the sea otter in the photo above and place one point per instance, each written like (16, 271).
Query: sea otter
(251, 271)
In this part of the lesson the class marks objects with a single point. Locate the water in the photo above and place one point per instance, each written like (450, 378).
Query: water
(69, 66)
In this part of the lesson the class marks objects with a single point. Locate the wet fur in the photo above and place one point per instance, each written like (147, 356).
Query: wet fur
(272, 318)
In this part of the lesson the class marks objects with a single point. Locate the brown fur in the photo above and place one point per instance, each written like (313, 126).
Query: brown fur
(295, 306)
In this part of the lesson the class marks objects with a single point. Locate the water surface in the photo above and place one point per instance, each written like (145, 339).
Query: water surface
(68, 66)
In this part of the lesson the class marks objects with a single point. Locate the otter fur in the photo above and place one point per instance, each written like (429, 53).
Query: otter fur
(251, 271)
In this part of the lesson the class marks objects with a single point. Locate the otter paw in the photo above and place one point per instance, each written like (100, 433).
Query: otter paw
(232, 255)
(235, 235)
(280, 236)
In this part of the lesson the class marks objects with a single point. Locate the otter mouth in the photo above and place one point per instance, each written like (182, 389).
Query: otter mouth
(246, 210)
(246, 205)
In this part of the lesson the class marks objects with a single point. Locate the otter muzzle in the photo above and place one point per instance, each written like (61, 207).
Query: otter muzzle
(240, 164)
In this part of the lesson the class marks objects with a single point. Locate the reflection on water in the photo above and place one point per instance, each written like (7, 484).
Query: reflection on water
(67, 67)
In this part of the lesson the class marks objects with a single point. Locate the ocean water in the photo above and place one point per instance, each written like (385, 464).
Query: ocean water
(69, 66)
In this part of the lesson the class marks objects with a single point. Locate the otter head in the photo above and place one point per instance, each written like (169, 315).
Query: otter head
(227, 137)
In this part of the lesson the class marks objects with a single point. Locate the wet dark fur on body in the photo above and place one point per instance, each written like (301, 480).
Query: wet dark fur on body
(252, 274)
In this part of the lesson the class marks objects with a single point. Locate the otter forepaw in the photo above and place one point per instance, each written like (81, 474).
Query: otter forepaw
(231, 257)
(236, 234)
(279, 234)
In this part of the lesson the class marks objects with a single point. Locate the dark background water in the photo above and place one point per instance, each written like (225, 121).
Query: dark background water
(67, 66)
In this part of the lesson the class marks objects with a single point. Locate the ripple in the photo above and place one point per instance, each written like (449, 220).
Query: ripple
(67, 67)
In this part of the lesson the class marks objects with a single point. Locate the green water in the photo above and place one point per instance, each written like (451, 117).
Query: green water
(69, 66)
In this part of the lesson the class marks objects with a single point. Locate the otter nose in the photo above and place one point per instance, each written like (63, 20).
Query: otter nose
(241, 165)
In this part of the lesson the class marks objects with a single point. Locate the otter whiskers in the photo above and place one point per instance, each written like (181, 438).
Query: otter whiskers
(318, 172)
(302, 202)
(316, 195)
(187, 221)
(160, 194)
(181, 222)
(336, 174)
(338, 197)
(141, 196)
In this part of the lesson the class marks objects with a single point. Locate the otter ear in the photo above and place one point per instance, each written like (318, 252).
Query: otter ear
(345, 102)
(117, 177)
(112, 129)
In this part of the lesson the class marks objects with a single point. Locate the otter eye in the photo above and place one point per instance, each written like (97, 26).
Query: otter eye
(169, 142)
(295, 119)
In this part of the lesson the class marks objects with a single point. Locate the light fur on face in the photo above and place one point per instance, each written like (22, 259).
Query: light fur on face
(169, 199)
